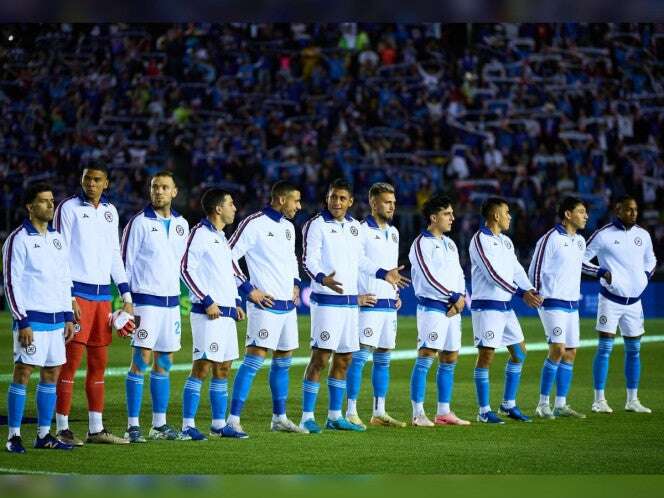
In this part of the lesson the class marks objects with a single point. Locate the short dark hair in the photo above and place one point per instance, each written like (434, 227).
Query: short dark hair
(490, 204)
(164, 173)
(380, 188)
(569, 203)
(341, 184)
(34, 190)
(97, 166)
(624, 198)
(282, 187)
(435, 204)
(212, 198)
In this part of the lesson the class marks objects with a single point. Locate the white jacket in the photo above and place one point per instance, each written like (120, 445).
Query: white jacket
(381, 247)
(152, 256)
(36, 276)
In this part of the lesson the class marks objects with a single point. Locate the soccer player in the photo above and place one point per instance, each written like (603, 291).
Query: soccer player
(496, 275)
(333, 256)
(88, 223)
(378, 314)
(38, 290)
(555, 271)
(266, 240)
(153, 243)
(212, 275)
(440, 288)
(625, 250)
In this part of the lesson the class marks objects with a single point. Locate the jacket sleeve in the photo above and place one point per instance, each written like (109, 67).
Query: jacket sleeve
(294, 263)
(649, 259)
(592, 249)
(14, 259)
(482, 255)
(191, 268)
(520, 277)
(130, 246)
(312, 247)
(118, 272)
(67, 285)
(367, 266)
(63, 221)
(432, 275)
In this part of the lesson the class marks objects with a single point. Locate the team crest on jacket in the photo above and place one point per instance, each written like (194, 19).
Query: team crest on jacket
(394, 238)
(638, 241)
(57, 244)
(508, 244)
(108, 216)
(353, 230)
(580, 244)
(288, 234)
(450, 246)
(179, 230)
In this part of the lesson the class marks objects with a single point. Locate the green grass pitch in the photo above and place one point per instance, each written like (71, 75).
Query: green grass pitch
(602, 444)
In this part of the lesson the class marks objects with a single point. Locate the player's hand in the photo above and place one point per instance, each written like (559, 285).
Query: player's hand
(241, 315)
(212, 311)
(456, 307)
(76, 309)
(533, 299)
(367, 300)
(607, 277)
(129, 308)
(296, 295)
(330, 283)
(261, 298)
(25, 336)
(396, 279)
(398, 303)
(69, 332)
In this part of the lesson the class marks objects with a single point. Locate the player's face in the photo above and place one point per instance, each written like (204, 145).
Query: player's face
(443, 219)
(504, 217)
(162, 191)
(227, 210)
(94, 183)
(338, 202)
(291, 204)
(42, 208)
(628, 211)
(578, 217)
(384, 205)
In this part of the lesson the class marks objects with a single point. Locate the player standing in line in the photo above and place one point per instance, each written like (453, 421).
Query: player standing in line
(212, 275)
(624, 249)
(266, 240)
(38, 290)
(555, 271)
(496, 276)
(333, 257)
(153, 243)
(89, 224)
(440, 288)
(378, 308)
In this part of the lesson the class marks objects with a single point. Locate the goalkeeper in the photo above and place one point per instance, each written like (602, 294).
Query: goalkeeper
(153, 243)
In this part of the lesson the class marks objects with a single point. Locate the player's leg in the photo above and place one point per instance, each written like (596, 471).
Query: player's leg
(254, 358)
(160, 389)
(220, 427)
(445, 375)
(513, 339)
(566, 368)
(431, 329)
(16, 395)
(488, 328)
(608, 314)
(369, 331)
(554, 331)
(140, 362)
(45, 400)
(191, 395)
(632, 329)
(380, 372)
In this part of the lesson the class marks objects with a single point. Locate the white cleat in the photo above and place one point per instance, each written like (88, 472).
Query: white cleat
(286, 425)
(601, 406)
(636, 406)
(543, 410)
(422, 420)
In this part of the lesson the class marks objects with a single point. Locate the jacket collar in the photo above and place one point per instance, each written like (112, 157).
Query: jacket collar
(207, 223)
(149, 212)
(485, 230)
(428, 234)
(560, 229)
(30, 228)
(619, 224)
(272, 213)
(372, 223)
(84, 200)
(327, 216)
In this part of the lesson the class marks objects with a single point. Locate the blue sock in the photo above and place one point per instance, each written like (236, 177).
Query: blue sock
(380, 374)
(632, 362)
(336, 388)
(512, 380)
(45, 404)
(309, 394)
(218, 398)
(601, 362)
(481, 376)
(445, 381)
(354, 375)
(243, 380)
(16, 395)
(134, 392)
(549, 371)
(160, 389)
(418, 379)
(279, 383)
(564, 378)
(191, 395)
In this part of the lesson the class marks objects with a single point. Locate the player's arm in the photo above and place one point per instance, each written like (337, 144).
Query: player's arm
(243, 239)
(63, 220)
(435, 277)
(312, 250)
(297, 282)
(118, 273)
(14, 257)
(368, 267)
(191, 268)
(591, 252)
(525, 289)
(66, 300)
(483, 256)
(244, 286)
(649, 259)
(130, 245)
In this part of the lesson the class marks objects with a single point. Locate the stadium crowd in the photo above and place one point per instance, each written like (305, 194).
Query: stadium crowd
(530, 112)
